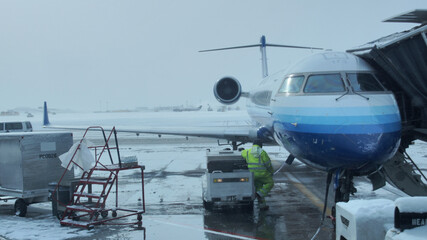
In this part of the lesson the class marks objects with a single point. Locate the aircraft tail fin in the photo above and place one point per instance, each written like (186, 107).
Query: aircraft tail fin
(262, 45)
(45, 115)
(263, 50)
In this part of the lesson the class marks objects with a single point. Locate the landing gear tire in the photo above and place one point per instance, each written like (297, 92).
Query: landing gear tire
(345, 187)
(104, 214)
(20, 207)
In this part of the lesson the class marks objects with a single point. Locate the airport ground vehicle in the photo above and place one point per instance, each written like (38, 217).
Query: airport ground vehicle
(28, 163)
(16, 127)
(227, 182)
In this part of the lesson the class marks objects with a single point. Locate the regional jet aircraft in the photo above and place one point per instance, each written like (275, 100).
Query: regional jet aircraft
(329, 110)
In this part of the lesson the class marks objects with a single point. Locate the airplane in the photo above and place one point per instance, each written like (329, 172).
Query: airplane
(329, 110)
(187, 109)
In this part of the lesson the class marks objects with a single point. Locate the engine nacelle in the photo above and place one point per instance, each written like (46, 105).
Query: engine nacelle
(227, 90)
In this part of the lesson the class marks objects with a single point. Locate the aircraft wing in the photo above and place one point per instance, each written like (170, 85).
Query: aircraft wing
(236, 133)
(231, 133)
(244, 131)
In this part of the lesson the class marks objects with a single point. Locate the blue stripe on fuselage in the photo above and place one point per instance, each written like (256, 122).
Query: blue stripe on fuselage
(351, 120)
(343, 129)
(361, 152)
(339, 120)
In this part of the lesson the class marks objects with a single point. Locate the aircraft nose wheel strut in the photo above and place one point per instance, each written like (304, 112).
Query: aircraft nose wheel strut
(344, 186)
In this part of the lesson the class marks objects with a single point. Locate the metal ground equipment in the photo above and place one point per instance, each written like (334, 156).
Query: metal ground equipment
(228, 182)
(28, 163)
(88, 205)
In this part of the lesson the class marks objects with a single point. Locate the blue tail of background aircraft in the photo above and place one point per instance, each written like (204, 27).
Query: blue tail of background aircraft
(45, 115)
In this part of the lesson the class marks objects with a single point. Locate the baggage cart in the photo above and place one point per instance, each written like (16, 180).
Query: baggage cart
(227, 181)
(28, 163)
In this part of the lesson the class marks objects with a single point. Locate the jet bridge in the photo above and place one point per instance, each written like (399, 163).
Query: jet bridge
(401, 59)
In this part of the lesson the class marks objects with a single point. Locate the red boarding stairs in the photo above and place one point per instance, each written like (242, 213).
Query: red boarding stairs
(87, 209)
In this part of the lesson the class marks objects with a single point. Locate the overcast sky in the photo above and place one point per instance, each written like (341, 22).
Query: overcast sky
(91, 54)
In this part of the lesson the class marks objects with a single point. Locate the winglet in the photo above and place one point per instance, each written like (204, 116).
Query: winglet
(45, 115)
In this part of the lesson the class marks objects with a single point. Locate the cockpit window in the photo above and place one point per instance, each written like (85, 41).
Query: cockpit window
(292, 84)
(364, 82)
(324, 83)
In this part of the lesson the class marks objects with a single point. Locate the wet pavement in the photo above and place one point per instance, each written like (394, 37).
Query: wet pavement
(174, 209)
(292, 215)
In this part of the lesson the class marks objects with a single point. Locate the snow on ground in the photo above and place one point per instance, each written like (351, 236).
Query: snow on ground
(44, 226)
(180, 161)
(175, 159)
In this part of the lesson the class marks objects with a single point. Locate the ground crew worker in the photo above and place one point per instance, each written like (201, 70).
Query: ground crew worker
(260, 164)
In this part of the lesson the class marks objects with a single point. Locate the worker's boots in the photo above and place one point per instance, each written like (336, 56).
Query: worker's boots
(261, 203)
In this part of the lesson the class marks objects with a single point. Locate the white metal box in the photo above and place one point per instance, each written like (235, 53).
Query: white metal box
(227, 180)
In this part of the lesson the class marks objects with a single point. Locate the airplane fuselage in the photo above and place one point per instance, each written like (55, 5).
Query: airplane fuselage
(329, 111)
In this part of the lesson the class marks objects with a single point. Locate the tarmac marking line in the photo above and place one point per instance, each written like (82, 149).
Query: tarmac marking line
(304, 190)
(217, 232)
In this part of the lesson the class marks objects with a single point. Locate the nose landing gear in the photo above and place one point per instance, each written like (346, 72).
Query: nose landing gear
(344, 186)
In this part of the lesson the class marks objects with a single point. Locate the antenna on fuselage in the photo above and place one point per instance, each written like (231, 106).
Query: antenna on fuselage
(262, 45)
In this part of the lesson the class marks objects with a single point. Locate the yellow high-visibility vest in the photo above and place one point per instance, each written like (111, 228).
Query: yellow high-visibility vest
(257, 159)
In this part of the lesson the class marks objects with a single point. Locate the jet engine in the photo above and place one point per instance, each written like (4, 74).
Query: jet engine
(227, 90)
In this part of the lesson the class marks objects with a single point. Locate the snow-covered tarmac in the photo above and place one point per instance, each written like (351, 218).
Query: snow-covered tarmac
(173, 176)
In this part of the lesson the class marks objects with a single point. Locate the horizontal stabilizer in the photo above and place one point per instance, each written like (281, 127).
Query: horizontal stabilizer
(260, 45)
(229, 48)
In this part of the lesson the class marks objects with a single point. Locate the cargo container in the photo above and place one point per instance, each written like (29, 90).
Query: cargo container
(29, 161)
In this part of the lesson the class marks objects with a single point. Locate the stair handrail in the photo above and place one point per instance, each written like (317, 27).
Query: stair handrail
(105, 146)
(415, 165)
(68, 165)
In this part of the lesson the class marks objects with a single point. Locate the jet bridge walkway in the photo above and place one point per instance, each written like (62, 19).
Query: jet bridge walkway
(401, 61)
